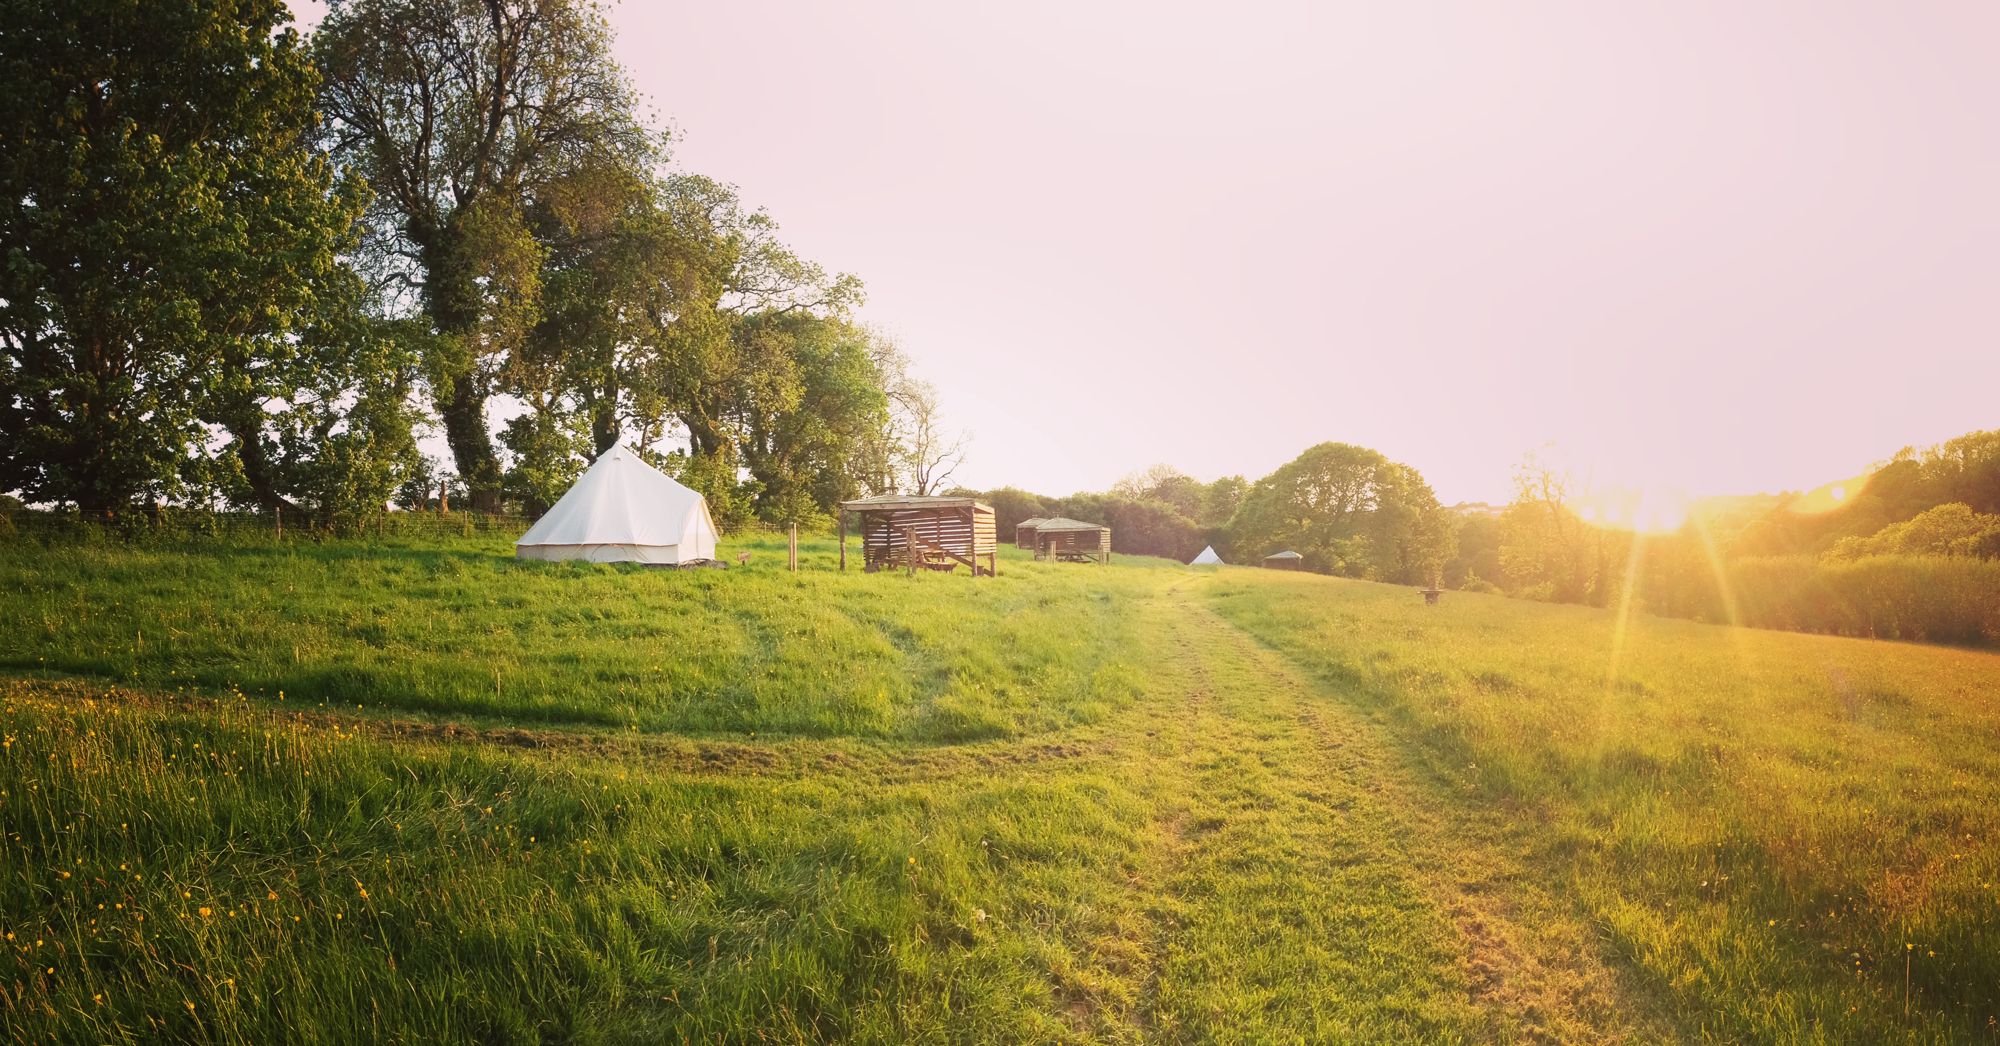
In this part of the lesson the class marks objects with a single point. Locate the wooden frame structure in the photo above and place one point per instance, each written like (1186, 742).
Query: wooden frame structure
(934, 533)
(1024, 531)
(1286, 560)
(1072, 541)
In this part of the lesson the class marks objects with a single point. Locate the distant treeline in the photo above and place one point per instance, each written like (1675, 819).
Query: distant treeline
(1346, 510)
(1911, 551)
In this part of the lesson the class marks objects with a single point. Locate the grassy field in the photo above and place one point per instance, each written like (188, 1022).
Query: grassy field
(505, 801)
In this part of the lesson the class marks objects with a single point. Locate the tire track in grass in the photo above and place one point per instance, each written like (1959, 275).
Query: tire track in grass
(677, 754)
(1533, 964)
(1290, 913)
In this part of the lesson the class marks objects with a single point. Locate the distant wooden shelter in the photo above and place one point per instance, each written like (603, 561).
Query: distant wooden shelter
(1024, 531)
(934, 533)
(1286, 560)
(1072, 541)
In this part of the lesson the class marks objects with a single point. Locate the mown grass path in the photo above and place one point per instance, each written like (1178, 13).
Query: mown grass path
(1395, 912)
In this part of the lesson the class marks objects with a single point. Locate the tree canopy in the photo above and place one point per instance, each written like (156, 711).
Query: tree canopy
(1346, 510)
(467, 116)
(171, 259)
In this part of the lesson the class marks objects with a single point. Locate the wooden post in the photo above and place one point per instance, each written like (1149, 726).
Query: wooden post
(792, 551)
(910, 548)
(278, 511)
(843, 539)
(972, 539)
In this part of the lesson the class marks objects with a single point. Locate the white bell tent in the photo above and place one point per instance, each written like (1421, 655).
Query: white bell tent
(623, 510)
(1208, 558)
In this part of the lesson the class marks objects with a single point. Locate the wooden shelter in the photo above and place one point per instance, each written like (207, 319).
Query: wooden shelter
(1286, 560)
(1072, 541)
(1024, 532)
(935, 533)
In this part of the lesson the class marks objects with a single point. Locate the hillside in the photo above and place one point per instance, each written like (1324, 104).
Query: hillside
(254, 790)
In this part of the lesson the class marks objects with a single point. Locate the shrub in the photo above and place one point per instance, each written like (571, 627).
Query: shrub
(1935, 599)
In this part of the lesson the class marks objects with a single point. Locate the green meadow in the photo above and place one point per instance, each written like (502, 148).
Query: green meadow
(415, 790)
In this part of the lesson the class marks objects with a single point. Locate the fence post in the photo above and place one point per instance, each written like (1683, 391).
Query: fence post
(792, 558)
(278, 511)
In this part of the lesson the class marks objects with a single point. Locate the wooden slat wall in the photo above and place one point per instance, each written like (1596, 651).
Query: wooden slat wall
(968, 532)
(1079, 540)
(1097, 542)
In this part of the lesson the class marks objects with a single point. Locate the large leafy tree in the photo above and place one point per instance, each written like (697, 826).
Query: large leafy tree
(464, 115)
(166, 235)
(669, 310)
(806, 436)
(1965, 470)
(1347, 510)
(1546, 548)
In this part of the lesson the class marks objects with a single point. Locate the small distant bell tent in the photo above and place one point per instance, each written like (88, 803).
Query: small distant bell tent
(1208, 558)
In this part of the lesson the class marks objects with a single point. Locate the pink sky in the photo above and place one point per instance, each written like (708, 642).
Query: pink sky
(1722, 247)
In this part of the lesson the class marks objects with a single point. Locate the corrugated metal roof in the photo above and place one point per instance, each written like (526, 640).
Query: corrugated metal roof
(1061, 523)
(894, 502)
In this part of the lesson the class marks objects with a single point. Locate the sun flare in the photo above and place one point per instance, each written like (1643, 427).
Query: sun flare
(1829, 496)
(1647, 510)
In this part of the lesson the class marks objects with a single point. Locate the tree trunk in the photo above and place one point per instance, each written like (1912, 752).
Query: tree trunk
(452, 297)
(463, 409)
(259, 471)
(703, 438)
(604, 427)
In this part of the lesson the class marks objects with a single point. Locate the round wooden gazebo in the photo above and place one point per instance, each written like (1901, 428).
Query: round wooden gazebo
(912, 531)
(1024, 532)
(1286, 560)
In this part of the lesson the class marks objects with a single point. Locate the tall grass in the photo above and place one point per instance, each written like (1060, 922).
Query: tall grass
(460, 628)
(1797, 838)
(1067, 803)
(210, 866)
(189, 874)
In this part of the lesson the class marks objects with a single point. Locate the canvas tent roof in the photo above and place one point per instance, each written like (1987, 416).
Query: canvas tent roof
(1287, 554)
(1206, 558)
(622, 510)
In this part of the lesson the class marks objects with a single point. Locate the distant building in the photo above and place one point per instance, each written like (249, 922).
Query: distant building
(1072, 541)
(1286, 560)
